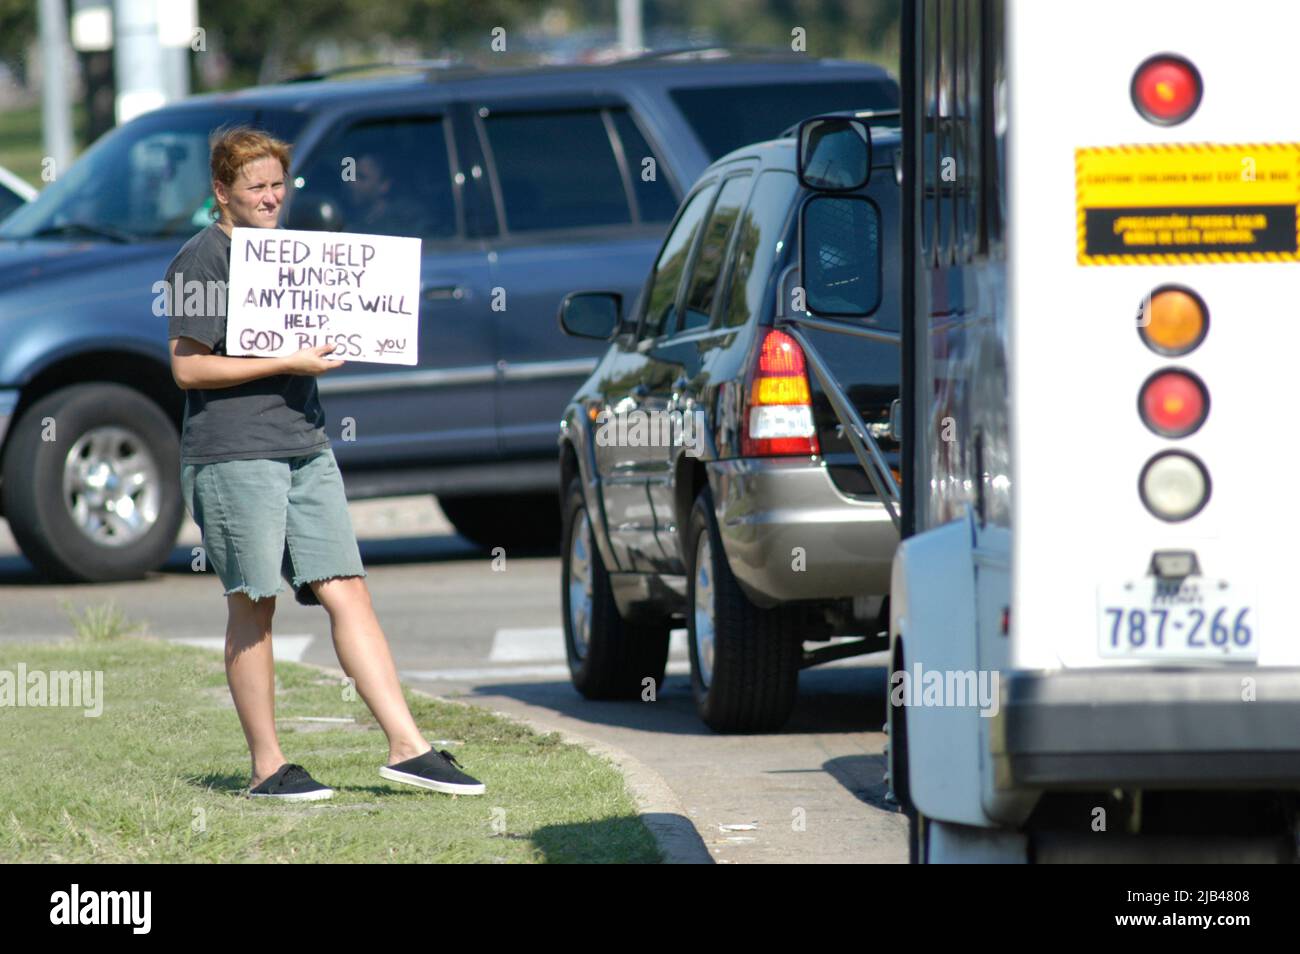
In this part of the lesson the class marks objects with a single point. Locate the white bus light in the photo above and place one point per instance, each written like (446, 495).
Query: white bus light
(1174, 486)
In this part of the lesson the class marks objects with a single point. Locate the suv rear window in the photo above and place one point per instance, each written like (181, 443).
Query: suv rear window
(728, 117)
(557, 170)
(708, 261)
(577, 168)
(756, 249)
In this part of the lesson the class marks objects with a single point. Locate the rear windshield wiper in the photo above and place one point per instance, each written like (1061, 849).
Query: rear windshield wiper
(103, 231)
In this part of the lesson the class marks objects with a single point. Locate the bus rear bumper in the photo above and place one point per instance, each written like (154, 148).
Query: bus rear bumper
(1148, 728)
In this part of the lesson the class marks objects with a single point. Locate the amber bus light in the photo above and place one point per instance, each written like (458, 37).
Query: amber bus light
(1173, 320)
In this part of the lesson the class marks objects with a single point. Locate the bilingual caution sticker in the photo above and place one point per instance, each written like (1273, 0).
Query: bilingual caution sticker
(1180, 203)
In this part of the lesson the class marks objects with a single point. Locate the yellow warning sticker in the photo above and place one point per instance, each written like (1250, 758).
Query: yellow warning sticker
(1196, 202)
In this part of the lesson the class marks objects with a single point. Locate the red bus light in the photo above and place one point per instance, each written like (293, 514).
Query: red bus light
(1173, 403)
(1166, 89)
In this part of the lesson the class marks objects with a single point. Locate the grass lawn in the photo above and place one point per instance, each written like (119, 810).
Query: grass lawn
(159, 775)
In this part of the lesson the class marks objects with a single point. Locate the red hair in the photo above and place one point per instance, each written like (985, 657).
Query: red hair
(233, 147)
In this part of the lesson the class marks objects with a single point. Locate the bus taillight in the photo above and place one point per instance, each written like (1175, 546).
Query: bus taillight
(1173, 403)
(1166, 89)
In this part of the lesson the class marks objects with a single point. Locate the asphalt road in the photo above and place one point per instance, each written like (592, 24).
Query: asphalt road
(459, 628)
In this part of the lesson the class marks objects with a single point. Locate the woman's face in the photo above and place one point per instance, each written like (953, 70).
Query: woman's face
(254, 200)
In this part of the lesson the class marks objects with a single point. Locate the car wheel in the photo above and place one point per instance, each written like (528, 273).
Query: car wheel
(609, 658)
(95, 496)
(505, 520)
(744, 659)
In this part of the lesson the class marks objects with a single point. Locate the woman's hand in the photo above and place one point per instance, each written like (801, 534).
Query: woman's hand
(312, 360)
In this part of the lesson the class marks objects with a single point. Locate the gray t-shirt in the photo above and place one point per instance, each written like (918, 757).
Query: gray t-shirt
(276, 416)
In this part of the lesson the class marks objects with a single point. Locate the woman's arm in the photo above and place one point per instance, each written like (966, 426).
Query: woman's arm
(195, 366)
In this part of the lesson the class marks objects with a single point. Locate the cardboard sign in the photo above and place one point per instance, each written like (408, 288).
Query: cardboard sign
(291, 290)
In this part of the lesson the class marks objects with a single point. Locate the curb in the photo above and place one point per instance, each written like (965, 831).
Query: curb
(661, 811)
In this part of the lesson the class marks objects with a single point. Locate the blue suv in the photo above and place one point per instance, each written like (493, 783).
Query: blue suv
(522, 185)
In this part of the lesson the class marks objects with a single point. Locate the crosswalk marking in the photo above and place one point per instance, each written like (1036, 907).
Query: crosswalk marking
(527, 645)
(546, 644)
(516, 653)
(510, 672)
(284, 647)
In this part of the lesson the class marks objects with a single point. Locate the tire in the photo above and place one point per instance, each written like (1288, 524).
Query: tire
(752, 680)
(609, 658)
(50, 487)
(506, 520)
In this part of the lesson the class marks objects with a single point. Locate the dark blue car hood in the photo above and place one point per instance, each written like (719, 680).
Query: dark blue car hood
(49, 261)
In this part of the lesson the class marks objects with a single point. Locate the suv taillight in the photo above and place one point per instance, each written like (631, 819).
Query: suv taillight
(778, 416)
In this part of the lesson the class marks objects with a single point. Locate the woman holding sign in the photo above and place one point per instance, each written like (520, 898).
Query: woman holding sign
(259, 478)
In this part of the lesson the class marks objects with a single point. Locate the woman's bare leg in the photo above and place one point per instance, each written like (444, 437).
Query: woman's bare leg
(363, 653)
(250, 671)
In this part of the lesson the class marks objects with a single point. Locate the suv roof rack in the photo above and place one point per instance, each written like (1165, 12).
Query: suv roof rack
(700, 52)
(870, 115)
(705, 51)
(425, 65)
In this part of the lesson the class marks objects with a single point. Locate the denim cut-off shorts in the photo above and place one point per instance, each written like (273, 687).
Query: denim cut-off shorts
(273, 517)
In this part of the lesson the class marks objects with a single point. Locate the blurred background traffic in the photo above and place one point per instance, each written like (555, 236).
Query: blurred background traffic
(114, 59)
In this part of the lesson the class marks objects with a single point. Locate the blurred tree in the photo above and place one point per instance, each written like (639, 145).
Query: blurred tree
(861, 29)
(17, 32)
(268, 42)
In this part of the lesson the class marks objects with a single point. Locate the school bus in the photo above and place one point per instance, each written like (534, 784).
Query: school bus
(1095, 649)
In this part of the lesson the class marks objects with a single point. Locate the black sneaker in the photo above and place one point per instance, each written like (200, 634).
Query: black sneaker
(291, 783)
(435, 770)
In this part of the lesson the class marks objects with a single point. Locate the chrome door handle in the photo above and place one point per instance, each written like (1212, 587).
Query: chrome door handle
(436, 292)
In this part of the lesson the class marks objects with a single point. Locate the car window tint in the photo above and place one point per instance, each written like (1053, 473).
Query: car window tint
(713, 246)
(557, 170)
(383, 177)
(654, 196)
(761, 228)
(672, 262)
(728, 117)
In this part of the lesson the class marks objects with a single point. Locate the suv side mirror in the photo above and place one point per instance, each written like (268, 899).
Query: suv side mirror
(591, 314)
(834, 154)
(840, 256)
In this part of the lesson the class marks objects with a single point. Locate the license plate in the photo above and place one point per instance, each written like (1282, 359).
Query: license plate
(1191, 620)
